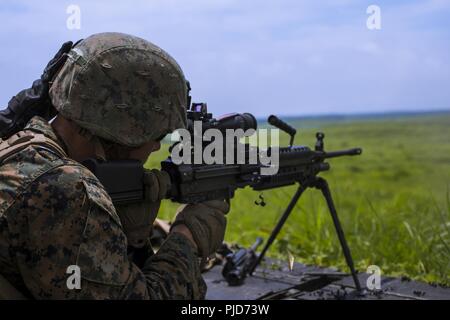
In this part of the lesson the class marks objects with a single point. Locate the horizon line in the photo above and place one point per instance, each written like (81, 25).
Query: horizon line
(364, 114)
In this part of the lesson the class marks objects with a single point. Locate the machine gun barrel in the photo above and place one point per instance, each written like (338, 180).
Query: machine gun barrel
(340, 153)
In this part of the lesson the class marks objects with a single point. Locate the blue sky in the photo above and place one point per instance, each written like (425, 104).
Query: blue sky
(288, 57)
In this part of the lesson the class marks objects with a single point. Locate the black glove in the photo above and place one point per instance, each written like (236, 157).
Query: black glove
(137, 218)
(206, 221)
(33, 101)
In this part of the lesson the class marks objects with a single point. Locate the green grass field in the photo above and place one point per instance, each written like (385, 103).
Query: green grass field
(393, 200)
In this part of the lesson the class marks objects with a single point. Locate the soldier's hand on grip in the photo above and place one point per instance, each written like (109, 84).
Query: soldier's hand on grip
(206, 221)
(157, 184)
(137, 218)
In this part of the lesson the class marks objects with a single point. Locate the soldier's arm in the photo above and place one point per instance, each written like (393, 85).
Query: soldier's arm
(70, 221)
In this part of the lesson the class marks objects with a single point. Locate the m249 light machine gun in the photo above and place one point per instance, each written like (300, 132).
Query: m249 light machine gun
(198, 182)
(297, 165)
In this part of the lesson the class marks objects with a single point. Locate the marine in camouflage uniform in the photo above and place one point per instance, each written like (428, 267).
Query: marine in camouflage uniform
(54, 213)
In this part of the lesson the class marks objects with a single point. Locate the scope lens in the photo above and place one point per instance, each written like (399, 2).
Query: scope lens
(236, 121)
(249, 121)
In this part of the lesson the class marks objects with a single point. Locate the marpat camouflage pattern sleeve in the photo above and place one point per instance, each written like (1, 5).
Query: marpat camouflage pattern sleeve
(64, 218)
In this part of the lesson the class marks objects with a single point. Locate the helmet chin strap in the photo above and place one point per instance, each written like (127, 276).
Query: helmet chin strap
(99, 150)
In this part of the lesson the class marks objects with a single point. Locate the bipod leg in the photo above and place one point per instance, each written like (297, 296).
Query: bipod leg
(279, 225)
(322, 185)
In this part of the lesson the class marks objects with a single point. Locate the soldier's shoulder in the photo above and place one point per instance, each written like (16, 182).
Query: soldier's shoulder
(72, 180)
(62, 186)
(21, 168)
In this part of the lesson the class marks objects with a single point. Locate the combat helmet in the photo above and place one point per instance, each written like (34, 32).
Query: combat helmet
(121, 88)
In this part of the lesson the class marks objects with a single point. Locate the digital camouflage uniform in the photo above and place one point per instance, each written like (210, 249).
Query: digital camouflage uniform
(55, 213)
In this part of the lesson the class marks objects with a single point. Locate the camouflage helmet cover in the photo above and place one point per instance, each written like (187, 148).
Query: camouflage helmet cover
(121, 88)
